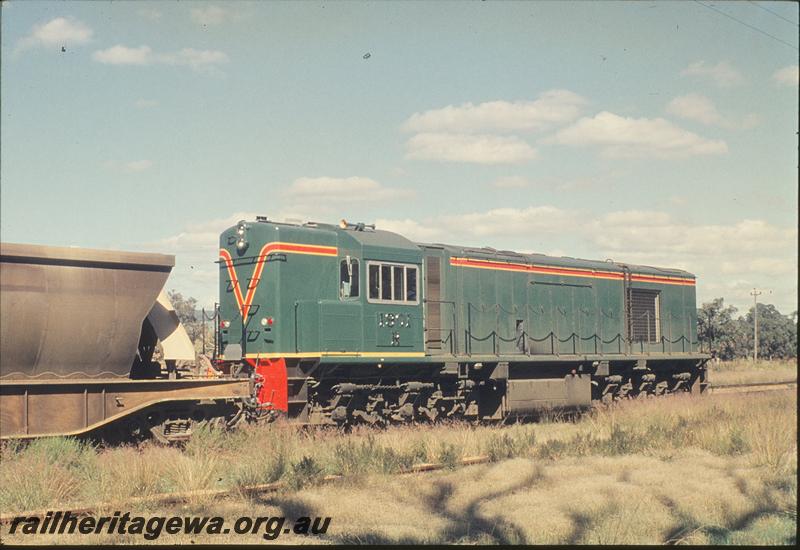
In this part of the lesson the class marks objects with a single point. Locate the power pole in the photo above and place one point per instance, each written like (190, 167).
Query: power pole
(755, 294)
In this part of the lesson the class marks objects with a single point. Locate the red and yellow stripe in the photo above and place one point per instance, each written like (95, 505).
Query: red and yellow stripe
(662, 279)
(566, 271)
(266, 250)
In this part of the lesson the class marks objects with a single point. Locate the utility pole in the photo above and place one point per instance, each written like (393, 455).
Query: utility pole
(755, 294)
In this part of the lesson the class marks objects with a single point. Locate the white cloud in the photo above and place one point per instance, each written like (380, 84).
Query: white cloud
(680, 200)
(196, 249)
(411, 229)
(123, 55)
(138, 165)
(511, 221)
(511, 182)
(639, 231)
(699, 108)
(723, 74)
(552, 107)
(640, 218)
(201, 237)
(480, 149)
(728, 259)
(197, 60)
(145, 103)
(750, 120)
(604, 179)
(695, 107)
(153, 14)
(211, 15)
(129, 166)
(788, 76)
(473, 229)
(637, 137)
(61, 31)
(350, 189)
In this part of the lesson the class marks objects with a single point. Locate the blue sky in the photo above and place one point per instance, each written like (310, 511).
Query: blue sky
(662, 133)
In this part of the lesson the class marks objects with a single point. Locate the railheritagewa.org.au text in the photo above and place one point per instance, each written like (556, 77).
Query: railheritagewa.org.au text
(152, 527)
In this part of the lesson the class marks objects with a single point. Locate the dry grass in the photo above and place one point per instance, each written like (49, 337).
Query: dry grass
(743, 371)
(712, 469)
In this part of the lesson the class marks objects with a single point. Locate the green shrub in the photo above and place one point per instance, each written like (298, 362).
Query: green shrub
(509, 444)
(448, 455)
(306, 471)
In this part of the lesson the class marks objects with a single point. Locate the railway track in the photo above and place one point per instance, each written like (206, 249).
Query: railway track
(753, 387)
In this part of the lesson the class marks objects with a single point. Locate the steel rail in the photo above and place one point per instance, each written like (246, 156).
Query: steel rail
(751, 384)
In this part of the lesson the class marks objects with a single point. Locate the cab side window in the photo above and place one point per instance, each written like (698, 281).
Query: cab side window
(386, 282)
(348, 278)
(392, 283)
(411, 284)
(374, 282)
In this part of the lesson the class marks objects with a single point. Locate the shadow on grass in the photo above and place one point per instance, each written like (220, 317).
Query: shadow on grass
(465, 525)
(471, 525)
(686, 525)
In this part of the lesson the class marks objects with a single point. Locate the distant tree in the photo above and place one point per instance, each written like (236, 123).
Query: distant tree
(186, 308)
(718, 330)
(777, 333)
(192, 320)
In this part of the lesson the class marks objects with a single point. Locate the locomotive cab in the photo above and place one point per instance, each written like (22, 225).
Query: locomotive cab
(318, 292)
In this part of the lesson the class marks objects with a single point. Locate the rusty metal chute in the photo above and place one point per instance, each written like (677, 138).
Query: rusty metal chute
(74, 312)
(175, 343)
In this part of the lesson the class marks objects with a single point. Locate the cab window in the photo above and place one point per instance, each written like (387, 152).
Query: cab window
(348, 278)
(374, 282)
(411, 284)
(392, 283)
(386, 282)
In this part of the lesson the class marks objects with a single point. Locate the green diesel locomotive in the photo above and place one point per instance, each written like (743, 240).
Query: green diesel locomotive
(348, 323)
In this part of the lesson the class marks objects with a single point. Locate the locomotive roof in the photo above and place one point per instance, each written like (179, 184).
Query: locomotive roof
(488, 253)
(372, 239)
(367, 236)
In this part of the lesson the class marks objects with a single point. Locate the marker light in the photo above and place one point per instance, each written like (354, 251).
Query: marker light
(225, 324)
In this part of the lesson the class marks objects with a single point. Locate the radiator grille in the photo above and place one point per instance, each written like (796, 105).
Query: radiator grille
(645, 316)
